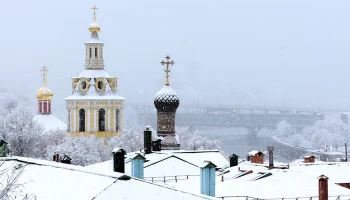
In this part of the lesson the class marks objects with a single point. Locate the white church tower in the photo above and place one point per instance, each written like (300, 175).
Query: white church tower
(95, 107)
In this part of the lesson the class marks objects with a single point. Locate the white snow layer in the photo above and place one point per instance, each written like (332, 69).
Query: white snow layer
(50, 122)
(92, 93)
(55, 181)
(166, 89)
(300, 180)
(168, 162)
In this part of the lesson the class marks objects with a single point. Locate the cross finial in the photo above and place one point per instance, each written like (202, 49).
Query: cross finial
(94, 8)
(167, 69)
(44, 70)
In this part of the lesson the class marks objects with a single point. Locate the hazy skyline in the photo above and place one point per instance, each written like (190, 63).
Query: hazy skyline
(226, 52)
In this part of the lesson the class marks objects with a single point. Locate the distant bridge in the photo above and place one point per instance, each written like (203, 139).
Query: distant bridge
(251, 117)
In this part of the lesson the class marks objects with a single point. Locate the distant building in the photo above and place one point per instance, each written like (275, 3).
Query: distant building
(45, 116)
(95, 106)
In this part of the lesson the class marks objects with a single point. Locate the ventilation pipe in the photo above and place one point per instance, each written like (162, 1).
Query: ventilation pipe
(270, 149)
(137, 166)
(233, 160)
(323, 187)
(207, 178)
(157, 145)
(119, 160)
(147, 140)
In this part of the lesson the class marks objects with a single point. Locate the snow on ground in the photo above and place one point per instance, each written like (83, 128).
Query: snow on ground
(51, 181)
(50, 122)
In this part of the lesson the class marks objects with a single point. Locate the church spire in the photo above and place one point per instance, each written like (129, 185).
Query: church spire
(94, 47)
(44, 94)
(167, 69)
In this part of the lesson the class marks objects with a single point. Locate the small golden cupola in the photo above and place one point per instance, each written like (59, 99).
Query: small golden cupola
(44, 94)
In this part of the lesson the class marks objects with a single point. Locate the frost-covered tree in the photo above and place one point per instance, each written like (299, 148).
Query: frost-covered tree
(193, 140)
(284, 129)
(83, 150)
(129, 140)
(21, 132)
(329, 134)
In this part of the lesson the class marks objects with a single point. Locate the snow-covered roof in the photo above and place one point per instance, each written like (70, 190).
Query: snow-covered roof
(309, 156)
(50, 122)
(94, 37)
(50, 181)
(166, 91)
(300, 180)
(253, 153)
(92, 93)
(169, 162)
(90, 73)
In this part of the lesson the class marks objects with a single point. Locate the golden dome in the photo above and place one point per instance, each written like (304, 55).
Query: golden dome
(94, 27)
(44, 93)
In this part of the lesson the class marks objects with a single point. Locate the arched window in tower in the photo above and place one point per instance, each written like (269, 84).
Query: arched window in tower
(90, 52)
(100, 85)
(101, 120)
(101, 53)
(81, 120)
(96, 53)
(117, 119)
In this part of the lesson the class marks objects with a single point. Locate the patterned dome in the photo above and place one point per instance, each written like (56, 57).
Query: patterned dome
(166, 100)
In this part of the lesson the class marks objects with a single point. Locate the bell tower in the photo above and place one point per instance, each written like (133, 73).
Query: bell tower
(95, 106)
(166, 102)
(94, 47)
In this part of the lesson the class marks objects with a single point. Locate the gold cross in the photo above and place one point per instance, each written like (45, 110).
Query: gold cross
(44, 70)
(94, 8)
(167, 69)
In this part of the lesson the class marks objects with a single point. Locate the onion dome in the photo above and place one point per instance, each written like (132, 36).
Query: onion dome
(44, 93)
(94, 27)
(166, 100)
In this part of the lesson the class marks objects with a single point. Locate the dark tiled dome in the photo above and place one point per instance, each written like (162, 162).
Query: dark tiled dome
(166, 100)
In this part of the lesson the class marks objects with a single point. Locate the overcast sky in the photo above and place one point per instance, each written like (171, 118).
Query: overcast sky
(227, 52)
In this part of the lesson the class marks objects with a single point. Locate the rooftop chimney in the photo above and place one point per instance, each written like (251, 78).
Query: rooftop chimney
(147, 140)
(207, 178)
(270, 149)
(309, 159)
(137, 166)
(323, 187)
(119, 160)
(233, 160)
(256, 157)
(157, 145)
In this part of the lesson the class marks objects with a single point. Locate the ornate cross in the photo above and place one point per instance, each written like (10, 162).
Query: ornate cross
(44, 70)
(167, 69)
(94, 8)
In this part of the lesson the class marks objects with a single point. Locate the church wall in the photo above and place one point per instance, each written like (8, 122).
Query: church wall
(91, 117)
